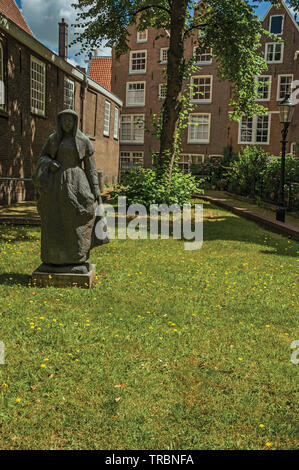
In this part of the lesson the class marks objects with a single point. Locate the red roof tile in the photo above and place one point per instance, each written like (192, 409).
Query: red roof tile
(10, 9)
(100, 71)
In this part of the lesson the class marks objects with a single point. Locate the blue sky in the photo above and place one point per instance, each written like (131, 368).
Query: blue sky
(43, 16)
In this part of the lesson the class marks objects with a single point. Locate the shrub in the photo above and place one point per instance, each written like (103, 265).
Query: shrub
(246, 171)
(141, 185)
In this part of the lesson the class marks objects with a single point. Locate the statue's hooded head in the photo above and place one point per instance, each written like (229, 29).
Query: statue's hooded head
(67, 123)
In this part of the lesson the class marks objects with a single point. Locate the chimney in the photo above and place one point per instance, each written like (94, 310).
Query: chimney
(63, 32)
(95, 52)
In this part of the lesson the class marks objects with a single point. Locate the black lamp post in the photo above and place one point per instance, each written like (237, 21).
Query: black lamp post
(286, 111)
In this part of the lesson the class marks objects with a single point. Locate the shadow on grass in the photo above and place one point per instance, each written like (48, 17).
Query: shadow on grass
(14, 279)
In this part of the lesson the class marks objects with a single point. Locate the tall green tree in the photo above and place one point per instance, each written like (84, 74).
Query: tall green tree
(230, 27)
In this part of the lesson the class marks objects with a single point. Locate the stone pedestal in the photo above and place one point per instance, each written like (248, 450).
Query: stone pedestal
(48, 279)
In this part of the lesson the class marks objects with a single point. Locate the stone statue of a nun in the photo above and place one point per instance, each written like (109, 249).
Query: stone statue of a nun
(67, 181)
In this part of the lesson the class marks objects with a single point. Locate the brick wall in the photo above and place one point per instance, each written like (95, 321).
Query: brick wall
(23, 134)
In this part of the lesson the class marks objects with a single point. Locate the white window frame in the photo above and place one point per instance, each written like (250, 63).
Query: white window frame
(135, 105)
(132, 134)
(281, 55)
(269, 79)
(293, 148)
(107, 117)
(39, 111)
(162, 50)
(161, 86)
(116, 120)
(140, 40)
(132, 159)
(254, 132)
(203, 62)
(201, 100)
(279, 84)
(135, 72)
(2, 85)
(71, 97)
(282, 24)
(199, 141)
(189, 159)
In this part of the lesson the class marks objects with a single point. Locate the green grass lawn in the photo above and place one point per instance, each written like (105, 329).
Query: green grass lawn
(172, 349)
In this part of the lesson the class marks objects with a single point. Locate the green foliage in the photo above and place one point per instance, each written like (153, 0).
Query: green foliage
(229, 26)
(245, 173)
(271, 178)
(141, 185)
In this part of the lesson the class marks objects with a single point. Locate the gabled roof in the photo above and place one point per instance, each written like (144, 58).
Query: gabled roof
(10, 9)
(100, 71)
(283, 5)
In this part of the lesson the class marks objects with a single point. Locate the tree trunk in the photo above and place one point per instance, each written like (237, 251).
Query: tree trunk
(175, 72)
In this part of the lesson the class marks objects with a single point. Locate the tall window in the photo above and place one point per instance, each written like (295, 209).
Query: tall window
(116, 118)
(204, 57)
(199, 128)
(294, 146)
(201, 90)
(276, 24)
(142, 36)
(2, 91)
(132, 128)
(129, 160)
(274, 52)
(254, 130)
(162, 91)
(69, 93)
(284, 86)
(138, 61)
(38, 87)
(107, 118)
(264, 87)
(136, 94)
(164, 55)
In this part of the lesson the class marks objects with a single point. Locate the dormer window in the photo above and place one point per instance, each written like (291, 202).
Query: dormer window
(276, 24)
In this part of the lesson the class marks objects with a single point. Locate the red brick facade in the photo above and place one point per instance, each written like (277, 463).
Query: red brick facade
(221, 131)
(23, 131)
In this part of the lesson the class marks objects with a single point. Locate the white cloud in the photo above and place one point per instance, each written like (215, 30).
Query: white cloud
(43, 18)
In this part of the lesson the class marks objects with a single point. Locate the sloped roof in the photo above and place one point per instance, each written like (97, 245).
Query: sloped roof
(100, 71)
(10, 9)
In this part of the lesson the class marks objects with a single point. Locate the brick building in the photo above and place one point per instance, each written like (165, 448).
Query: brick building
(36, 84)
(138, 78)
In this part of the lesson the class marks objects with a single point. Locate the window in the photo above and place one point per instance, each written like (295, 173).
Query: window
(284, 86)
(254, 130)
(199, 128)
(129, 160)
(107, 118)
(205, 57)
(276, 24)
(116, 117)
(2, 91)
(137, 62)
(38, 87)
(132, 128)
(186, 160)
(142, 36)
(201, 90)
(274, 52)
(294, 149)
(69, 93)
(136, 94)
(162, 91)
(164, 55)
(264, 87)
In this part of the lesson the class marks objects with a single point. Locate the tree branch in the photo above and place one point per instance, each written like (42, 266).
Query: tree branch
(160, 7)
